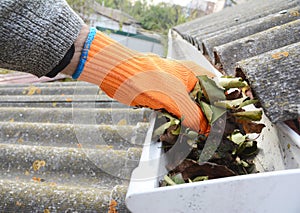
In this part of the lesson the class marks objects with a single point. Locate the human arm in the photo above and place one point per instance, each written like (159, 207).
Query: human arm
(36, 35)
(38, 40)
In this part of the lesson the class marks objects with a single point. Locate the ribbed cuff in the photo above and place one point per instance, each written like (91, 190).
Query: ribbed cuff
(84, 53)
(36, 35)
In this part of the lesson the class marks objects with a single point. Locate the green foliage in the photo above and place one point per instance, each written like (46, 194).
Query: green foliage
(159, 18)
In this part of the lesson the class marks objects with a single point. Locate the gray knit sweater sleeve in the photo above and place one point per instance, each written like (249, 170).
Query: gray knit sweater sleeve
(36, 34)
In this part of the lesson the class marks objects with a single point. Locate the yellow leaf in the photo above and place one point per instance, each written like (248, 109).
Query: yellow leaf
(12, 120)
(18, 203)
(27, 173)
(280, 55)
(122, 122)
(54, 104)
(33, 89)
(68, 99)
(38, 164)
(294, 13)
(52, 184)
(20, 140)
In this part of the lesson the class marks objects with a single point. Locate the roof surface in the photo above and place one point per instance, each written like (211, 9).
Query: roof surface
(66, 147)
(259, 40)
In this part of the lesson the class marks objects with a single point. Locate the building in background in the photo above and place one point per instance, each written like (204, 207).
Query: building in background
(207, 6)
(125, 29)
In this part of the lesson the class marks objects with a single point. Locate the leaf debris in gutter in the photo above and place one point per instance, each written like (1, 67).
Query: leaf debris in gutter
(231, 144)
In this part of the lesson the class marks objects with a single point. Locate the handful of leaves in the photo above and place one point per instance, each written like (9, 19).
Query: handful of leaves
(229, 148)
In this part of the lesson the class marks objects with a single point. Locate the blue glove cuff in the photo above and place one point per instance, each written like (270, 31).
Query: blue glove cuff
(84, 53)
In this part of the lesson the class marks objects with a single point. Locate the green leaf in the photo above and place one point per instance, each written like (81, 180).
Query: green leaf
(242, 162)
(178, 179)
(192, 143)
(176, 131)
(192, 135)
(160, 130)
(217, 113)
(249, 115)
(248, 102)
(240, 148)
(211, 90)
(173, 121)
(230, 82)
(200, 178)
(237, 137)
(196, 91)
(206, 110)
(170, 117)
(230, 104)
(169, 180)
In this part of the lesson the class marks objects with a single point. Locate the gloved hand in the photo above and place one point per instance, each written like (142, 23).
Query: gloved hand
(144, 80)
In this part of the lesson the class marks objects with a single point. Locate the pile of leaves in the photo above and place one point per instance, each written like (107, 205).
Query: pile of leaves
(230, 146)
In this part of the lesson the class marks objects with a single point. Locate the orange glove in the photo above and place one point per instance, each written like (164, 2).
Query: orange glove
(145, 80)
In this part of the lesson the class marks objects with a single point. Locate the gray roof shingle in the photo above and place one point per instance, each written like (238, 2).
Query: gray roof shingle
(260, 41)
(88, 143)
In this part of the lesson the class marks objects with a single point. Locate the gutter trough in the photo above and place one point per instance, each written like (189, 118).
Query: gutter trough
(274, 189)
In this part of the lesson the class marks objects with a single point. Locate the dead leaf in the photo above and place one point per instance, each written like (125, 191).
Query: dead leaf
(122, 122)
(32, 90)
(249, 115)
(38, 164)
(20, 140)
(18, 203)
(168, 136)
(191, 169)
(231, 82)
(233, 95)
(38, 179)
(52, 184)
(280, 55)
(251, 127)
(112, 206)
(295, 13)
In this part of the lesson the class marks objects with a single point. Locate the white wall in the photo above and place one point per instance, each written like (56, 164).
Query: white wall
(103, 21)
(139, 44)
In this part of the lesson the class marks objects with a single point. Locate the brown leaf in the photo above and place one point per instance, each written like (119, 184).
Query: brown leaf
(251, 127)
(191, 169)
(112, 206)
(233, 95)
(280, 55)
(169, 137)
